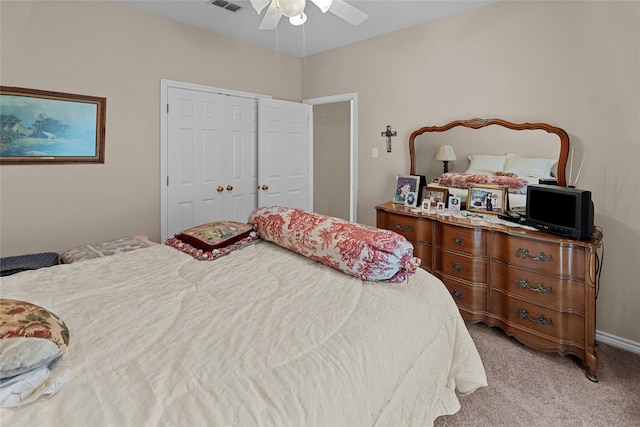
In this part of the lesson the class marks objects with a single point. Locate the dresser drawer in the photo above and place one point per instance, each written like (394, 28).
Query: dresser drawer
(425, 253)
(565, 326)
(461, 239)
(461, 266)
(540, 256)
(414, 229)
(563, 294)
(473, 298)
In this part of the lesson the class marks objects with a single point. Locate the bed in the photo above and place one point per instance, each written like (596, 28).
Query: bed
(492, 152)
(260, 335)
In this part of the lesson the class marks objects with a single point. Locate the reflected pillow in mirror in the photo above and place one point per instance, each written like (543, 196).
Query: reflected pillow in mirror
(529, 166)
(485, 163)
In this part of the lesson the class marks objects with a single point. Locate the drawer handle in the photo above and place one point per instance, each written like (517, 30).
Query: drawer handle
(457, 266)
(457, 293)
(524, 254)
(457, 240)
(524, 284)
(542, 319)
(407, 227)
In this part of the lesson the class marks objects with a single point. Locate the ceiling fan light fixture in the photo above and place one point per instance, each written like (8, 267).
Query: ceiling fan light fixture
(291, 8)
(298, 19)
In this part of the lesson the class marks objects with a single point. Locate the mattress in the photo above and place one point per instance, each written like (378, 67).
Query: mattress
(259, 337)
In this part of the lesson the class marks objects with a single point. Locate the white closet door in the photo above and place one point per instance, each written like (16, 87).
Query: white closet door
(241, 159)
(211, 152)
(284, 167)
(195, 153)
(211, 149)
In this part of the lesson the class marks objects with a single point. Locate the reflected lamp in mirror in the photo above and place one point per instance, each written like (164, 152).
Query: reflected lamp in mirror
(445, 154)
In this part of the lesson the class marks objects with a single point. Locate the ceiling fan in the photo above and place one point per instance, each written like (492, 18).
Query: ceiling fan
(294, 10)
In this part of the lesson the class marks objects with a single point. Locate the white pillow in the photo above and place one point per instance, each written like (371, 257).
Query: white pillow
(529, 166)
(485, 163)
(21, 354)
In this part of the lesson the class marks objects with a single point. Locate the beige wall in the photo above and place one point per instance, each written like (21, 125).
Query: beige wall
(331, 161)
(571, 64)
(104, 48)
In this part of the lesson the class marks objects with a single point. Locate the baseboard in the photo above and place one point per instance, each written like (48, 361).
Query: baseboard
(616, 341)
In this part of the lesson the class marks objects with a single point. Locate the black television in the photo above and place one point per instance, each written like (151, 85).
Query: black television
(560, 210)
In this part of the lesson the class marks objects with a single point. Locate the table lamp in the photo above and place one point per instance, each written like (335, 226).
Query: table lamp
(445, 153)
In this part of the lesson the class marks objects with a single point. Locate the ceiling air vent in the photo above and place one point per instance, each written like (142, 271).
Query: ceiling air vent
(226, 5)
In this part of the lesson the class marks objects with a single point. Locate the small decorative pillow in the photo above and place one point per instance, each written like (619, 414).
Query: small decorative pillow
(212, 240)
(98, 250)
(485, 163)
(365, 252)
(30, 337)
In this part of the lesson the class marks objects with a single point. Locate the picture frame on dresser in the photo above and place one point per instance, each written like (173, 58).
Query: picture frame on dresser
(411, 200)
(406, 184)
(454, 203)
(437, 194)
(489, 199)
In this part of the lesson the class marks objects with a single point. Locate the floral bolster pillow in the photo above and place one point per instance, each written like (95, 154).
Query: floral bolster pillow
(358, 250)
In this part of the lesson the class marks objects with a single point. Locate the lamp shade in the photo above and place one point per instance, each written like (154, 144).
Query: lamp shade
(445, 153)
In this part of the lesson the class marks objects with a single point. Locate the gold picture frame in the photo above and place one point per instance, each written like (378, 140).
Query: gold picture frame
(489, 199)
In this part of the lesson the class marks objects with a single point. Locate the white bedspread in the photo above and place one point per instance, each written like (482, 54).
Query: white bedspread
(259, 337)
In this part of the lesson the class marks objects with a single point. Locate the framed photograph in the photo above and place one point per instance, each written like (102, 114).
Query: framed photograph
(441, 206)
(491, 199)
(426, 205)
(411, 200)
(454, 203)
(39, 126)
(437, 194)
(405, 185)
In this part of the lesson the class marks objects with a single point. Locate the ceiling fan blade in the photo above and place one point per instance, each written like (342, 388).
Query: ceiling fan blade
(323, 5)
(347, 12)
(258, 5)
(271, 18)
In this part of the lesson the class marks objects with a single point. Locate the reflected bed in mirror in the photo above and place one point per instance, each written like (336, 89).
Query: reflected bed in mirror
(493, 152)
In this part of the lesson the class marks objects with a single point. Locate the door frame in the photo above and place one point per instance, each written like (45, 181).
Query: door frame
(353, 143)
(165, 84)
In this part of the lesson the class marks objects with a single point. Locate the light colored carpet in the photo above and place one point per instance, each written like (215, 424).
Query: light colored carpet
(532, 388)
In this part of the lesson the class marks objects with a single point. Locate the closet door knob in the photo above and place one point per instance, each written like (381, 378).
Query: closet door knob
(265, 187)
(229, 187)
(219, 188)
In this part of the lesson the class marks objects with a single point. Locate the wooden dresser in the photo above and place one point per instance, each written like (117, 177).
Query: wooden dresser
(538, 287)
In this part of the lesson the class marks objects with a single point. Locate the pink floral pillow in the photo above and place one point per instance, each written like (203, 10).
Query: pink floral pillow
(365, 252)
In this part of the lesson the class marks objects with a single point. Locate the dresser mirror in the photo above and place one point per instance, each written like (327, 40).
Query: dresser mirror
(487, 137)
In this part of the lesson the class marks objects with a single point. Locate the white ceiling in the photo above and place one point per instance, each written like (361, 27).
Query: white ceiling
(321, 31)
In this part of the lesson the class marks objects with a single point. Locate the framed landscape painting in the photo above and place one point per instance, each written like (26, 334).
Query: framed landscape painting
(50, 127)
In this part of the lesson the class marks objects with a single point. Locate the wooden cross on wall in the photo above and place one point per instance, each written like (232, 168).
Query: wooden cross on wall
(388, 133)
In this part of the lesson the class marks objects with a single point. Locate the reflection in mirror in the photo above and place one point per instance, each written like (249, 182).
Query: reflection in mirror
(493, 137)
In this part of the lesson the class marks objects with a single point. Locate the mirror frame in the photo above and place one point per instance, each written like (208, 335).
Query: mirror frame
(480, 123)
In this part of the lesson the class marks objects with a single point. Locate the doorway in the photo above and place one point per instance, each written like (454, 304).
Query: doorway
(335, 170)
